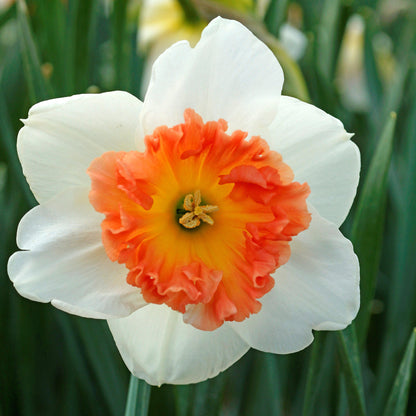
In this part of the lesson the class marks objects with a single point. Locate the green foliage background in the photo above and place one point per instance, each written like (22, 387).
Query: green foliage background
(52, 363)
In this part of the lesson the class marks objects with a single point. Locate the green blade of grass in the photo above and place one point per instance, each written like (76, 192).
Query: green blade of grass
(207, 396)
(53, 22)
(326, 39)
(401, 307)
(275, 15)
(396, 405)
(120, 44)
(189, 10)
(75, 354)
(80, 56)
(7, 14)
(313, 379)
(102, 354)
(8, 143)
(368, 224)
(351, 366)
(372, 76)
(183, 396)
(138, 397)
(39, 88)
(263, 393)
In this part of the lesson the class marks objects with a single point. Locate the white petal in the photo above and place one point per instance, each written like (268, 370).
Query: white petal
(65, 262)
(159, 347)
(319, 150)
(61, 137)
(317, 289)
(229, 74)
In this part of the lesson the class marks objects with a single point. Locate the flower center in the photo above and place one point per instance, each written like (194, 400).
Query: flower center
(197, 212)
(213, 274)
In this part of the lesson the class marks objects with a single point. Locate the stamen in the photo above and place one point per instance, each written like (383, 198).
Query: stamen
(197, 212)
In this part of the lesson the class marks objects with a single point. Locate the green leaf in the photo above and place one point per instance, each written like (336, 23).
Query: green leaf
(102, 356)
(8, 143)
(52, 19)
(396, 405)
(120, 44)
(190, 11)
(351, 366)
(183, 396)
(207, 396)
(401, 309)
(373, 82)
(81, 56)
(264, 392)
(75, 353)
(327, 38)
(39, 88)
(275, 15)
(7, 14)
(312, 380)
(138, 397)
(368, 225)
(319, 375)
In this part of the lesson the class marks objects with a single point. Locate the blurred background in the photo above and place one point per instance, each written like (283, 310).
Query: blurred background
(356, 59)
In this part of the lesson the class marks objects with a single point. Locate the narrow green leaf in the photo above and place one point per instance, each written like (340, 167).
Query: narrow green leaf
(120, 44)
(7, 14)
(138, 397)
(75, 354)
(312, 380)
(39, 88)
(327, 38)
(368, 225)
(319, 375)
(183, 399)
(394, 94)
(275, 15)
(8, 143)
(402, 284)
(190, 11)
(52, 18)
(372, 76)
(80, 56)
(136, 66)
(396, 405)
(102, 356)
(264, 391)
(207, 396)
(351, 366)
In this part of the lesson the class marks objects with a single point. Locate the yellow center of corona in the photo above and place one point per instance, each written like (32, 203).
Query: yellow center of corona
(196, 212)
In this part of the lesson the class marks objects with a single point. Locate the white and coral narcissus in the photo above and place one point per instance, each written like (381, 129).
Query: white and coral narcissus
(199, 223)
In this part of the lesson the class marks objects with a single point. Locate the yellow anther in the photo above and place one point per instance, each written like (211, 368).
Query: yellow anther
(197, 212)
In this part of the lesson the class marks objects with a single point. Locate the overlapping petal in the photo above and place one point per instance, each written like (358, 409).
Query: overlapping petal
(64, 261)
(218, 79)
(319, 151)
(62, 136)
(157, 346)
(318, 288)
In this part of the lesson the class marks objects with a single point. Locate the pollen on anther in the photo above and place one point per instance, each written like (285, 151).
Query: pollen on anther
(196, 212)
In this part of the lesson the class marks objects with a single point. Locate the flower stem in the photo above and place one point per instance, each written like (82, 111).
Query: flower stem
(138, 397)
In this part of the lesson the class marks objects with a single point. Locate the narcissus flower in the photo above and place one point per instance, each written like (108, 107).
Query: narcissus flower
(201, 222)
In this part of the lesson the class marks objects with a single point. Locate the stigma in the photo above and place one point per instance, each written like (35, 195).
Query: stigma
(196, 212)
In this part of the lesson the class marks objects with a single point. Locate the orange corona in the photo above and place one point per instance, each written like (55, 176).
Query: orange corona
(201, 218)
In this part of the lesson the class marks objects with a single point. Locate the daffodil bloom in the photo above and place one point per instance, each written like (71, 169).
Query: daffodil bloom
(201, 222)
